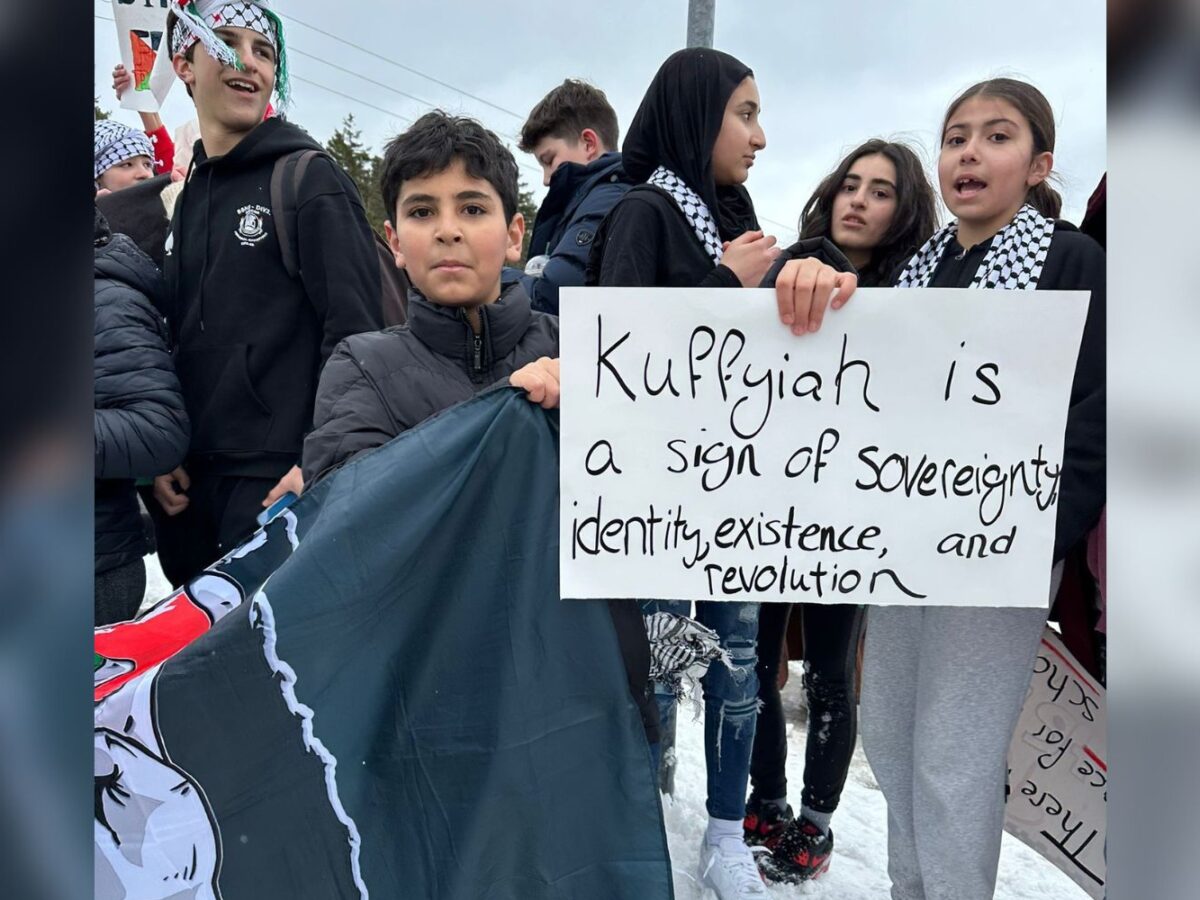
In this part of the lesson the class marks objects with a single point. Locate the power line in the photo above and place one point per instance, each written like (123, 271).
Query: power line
(386, 87)
(352, 99)
(392, 62)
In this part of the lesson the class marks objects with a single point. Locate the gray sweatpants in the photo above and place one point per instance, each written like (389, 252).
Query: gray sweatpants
(941, 692)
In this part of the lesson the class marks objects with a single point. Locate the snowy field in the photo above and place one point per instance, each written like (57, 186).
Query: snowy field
(859, 867)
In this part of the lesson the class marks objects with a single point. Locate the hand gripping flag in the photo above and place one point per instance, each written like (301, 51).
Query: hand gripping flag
(382, 694)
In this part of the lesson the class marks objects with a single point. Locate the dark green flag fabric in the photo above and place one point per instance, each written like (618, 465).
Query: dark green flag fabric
(382, 695)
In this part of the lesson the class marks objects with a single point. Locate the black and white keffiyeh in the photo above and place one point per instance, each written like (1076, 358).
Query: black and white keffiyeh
(681, 650)
(114, 143)
(1014, 261)
(694, 209)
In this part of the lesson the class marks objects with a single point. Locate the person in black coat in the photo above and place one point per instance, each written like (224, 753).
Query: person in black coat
(450, 188)
(141, 426)
(249, 338)
(690, 222)
(573, 134)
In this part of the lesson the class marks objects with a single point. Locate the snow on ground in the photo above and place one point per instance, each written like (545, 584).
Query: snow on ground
(858, 870)
(859, 867)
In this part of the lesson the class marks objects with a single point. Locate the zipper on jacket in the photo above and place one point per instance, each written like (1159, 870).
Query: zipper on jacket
(475, 345)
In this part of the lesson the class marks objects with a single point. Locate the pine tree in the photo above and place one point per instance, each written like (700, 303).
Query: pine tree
(100, 114)
(377, 213)
(347, 148)
(528, 208)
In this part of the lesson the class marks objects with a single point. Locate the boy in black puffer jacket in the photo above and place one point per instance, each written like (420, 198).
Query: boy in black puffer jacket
(451, 187)
(141, 427)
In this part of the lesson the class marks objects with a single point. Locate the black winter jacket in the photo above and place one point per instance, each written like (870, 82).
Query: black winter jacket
(250, 341)
(141, 428)
(380, 384)
(577, 202)
(647, 242)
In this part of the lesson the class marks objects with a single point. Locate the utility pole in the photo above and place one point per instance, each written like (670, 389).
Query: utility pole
(701, 15)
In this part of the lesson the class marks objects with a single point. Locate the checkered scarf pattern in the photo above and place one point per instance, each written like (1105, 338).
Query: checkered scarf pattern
(694, 209)
(196, 19)
(681, 650)
(1013, 263)
(114, 143)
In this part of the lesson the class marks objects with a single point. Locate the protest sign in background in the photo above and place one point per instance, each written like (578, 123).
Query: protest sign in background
(908, 453)
(1058, 770)
(145, 51)
(381, 694)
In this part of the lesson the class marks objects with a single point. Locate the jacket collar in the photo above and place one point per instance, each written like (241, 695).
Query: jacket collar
(445, 329)
(569, 185)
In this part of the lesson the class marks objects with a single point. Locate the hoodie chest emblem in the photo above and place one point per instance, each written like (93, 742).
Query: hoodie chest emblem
(252, 224)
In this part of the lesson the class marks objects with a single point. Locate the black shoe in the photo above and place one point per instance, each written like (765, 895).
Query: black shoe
(800, 853)
(764, 822)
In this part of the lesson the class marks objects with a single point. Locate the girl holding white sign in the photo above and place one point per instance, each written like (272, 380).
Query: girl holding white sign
(943, 686)
(877, 207)
(692, 224)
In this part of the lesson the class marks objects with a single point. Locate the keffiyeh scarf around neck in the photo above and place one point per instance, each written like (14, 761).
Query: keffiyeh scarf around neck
(694, 209)
(1014, 261)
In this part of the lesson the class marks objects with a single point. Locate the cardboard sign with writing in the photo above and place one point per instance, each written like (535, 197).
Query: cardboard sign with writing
(910, 452)
(145, 52)
(1057, 769)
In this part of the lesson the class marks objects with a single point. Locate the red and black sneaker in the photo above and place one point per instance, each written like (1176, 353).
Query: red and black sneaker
(800, 853)
(764, 822)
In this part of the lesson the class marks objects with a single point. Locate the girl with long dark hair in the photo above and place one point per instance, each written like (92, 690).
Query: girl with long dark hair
(877, 207)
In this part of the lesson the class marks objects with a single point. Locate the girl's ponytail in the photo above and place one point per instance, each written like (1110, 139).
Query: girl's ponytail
(1045, 200)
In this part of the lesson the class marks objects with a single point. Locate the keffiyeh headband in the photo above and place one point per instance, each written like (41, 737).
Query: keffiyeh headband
(114, 143)
(196, 19)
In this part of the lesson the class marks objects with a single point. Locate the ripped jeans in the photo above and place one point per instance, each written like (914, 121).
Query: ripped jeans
(730, 701)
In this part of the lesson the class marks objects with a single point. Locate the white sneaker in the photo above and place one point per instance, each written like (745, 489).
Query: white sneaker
(730, 870)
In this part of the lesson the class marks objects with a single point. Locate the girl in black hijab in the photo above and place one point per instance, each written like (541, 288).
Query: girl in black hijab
(691, 223)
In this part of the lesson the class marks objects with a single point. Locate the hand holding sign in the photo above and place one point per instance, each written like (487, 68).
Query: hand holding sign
(708, 456)
(805, 288)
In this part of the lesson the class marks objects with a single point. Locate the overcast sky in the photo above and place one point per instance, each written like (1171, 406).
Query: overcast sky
(831, 74)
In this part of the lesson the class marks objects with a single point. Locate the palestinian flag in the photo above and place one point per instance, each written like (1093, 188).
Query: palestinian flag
(143, 56)
(382, 694)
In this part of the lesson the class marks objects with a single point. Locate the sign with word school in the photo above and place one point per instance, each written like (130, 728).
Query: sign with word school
(910, 452)
(145, 52)
(1057, 769)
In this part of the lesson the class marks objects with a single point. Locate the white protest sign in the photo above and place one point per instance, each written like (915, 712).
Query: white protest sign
(145, 52)
(908, 453)
(1057, 769)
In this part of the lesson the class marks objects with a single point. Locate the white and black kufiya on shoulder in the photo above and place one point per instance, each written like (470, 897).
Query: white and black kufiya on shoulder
(1014, 261)
(694, 209)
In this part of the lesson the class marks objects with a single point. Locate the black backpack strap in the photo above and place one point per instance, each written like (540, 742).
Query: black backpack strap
(286, 177)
